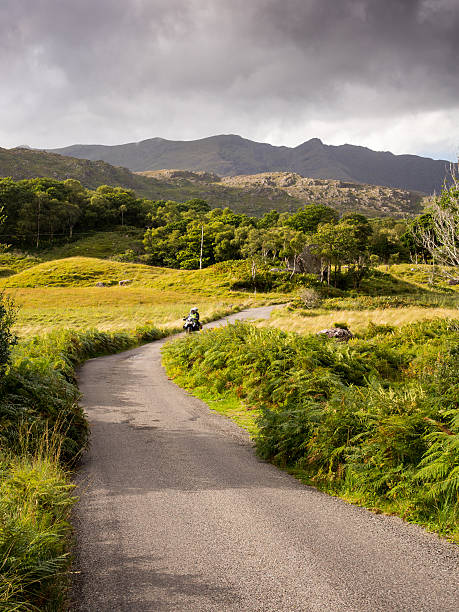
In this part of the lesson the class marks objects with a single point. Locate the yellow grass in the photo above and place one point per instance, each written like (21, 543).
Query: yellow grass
(357, 320)
(62, 293)
(109, 308)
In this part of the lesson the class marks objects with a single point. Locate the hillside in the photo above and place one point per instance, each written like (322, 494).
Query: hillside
(229, 155)
(252, 194)
(277, 187)
(25, 163)
(78, 271)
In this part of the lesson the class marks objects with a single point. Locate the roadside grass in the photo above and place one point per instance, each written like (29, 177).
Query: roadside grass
(35, 503)
(226, 403)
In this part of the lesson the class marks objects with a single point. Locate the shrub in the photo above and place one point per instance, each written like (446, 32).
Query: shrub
(310, 298)
(7, 337)
(341, 325)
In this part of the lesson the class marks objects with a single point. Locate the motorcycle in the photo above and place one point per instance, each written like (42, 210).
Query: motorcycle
(191, 325)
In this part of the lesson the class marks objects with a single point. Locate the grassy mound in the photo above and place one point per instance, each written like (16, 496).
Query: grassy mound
(98, 244)
(420, 275)
(82, 272)
(225, 277)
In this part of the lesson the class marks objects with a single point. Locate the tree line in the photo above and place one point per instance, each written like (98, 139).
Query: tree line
(41, 212)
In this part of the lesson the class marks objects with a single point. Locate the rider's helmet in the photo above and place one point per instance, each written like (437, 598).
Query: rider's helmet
(194, 309)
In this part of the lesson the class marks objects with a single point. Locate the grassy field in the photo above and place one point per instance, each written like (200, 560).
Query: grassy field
(396, 296)
(356, 320)
(109, 309)
(62, 293)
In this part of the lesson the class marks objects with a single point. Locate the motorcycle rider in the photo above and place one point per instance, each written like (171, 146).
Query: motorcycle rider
(194, 314)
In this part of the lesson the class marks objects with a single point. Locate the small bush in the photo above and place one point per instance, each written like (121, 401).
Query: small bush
(310, 298)
(376, 330)
(7, 337)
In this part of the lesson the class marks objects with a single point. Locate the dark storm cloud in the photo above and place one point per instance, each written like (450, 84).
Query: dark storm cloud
(399, 47)
(85, 69)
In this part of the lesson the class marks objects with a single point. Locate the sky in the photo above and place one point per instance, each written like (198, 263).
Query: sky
(377, 73)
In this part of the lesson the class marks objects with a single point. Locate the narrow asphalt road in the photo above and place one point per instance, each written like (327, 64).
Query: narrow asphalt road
(177, 513)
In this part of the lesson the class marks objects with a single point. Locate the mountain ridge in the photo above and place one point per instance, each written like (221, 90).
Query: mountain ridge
(233, 155)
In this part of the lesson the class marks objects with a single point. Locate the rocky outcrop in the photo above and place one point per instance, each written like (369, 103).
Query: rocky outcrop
(338, 333)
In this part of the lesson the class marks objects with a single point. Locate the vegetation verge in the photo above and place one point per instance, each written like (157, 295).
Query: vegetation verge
(375, 421)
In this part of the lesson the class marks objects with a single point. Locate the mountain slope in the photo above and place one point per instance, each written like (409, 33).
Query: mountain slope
(230, 155)
(251, 194)
(22, 163)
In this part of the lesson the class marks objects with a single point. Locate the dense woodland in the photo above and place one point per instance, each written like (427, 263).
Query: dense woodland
(41, 212)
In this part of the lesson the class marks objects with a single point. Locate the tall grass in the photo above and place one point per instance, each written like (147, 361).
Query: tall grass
(374, 421)
(310, 322)
(35, 502)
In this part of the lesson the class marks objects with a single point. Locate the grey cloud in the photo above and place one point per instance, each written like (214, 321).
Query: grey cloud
(195, 67)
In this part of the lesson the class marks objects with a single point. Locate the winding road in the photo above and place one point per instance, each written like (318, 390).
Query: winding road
(178, 513)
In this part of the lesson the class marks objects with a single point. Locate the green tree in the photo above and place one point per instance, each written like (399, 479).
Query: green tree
(336, 245)
(308, 218)
(268, 220)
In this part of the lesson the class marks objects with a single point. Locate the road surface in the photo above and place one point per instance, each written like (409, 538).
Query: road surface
(178, 513)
